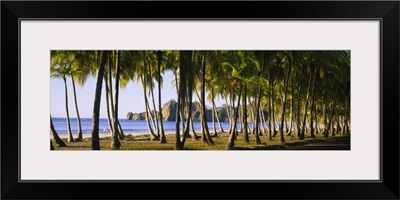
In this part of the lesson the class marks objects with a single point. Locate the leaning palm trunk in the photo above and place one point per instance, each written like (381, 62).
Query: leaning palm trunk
(332, 112)
(228, 111)
(152, 135)
(121, 132)
(194, 137)
(187, 127)
(216, 114)
(78, 118)
(96, 105)
(155, 115)
(70, 137)
(231, 141)
(262, 119)
(56, 138)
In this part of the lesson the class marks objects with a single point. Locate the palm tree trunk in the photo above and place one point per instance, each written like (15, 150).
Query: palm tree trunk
(252, 115)
(115, 143)
(291, 109)
(258, 141)
(96, 105)
(108, 106)
(245, 125)
(282, 139)
(216, 114)
(70, 137)
(195, 137)
(154, 109)
(228, 110)
(110, 91)
(183, 61)
(345, 125)
(324, 113)
(189, 95)
(231, 141)
(269, 105)
(152, 135)
(187, 128)
(261, 127)
(121, 132)
(312, 105)
(56, 138)
(298, 108)
(79, 138)
(163, 139)
(263, 120)
(203, 102)
(274, 131)
(178, 145)
(332, 111)
(213, 117)
(305, 107)
(317, 128)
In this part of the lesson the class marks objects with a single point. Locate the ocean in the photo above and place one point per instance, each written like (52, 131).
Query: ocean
(134, 127)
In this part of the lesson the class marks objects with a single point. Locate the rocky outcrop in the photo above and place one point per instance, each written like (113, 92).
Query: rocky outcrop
(169, 110)
(136, 116)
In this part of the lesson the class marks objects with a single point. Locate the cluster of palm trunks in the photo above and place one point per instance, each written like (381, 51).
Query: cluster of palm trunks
(304, 92)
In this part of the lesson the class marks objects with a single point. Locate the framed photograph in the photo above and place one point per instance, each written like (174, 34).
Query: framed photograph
(118, 99)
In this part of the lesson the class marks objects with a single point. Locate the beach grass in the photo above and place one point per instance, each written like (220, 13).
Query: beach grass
(143, 142)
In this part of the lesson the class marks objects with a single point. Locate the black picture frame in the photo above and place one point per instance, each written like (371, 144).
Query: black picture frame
(386, 11)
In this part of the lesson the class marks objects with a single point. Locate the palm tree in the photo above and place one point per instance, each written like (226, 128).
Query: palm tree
(84, 63)
(242, 66)
(61, 68)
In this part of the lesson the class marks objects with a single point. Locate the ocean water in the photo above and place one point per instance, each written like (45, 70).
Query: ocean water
(134, 127)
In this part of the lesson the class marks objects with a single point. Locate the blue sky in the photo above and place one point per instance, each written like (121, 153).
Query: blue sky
(131, 98)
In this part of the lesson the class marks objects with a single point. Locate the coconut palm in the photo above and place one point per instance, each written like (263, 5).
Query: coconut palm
(61, 67)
